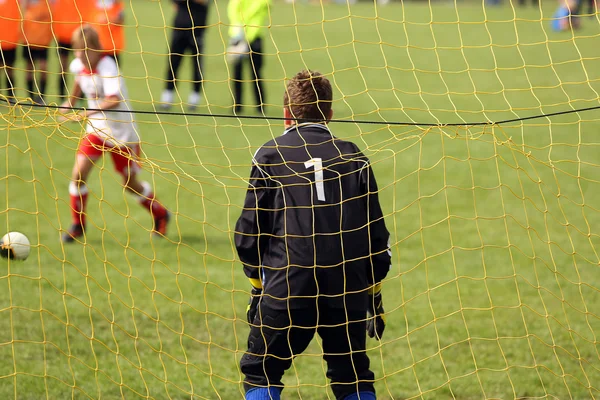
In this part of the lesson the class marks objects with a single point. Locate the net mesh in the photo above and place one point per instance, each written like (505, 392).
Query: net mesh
(493, 291)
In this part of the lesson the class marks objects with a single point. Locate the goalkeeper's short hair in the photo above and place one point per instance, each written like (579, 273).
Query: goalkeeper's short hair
(308, 96)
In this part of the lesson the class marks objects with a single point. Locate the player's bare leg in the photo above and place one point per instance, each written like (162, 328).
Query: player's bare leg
(145, 196)
(78, 192)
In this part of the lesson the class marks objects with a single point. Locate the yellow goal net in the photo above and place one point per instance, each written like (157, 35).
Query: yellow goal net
(481, 120)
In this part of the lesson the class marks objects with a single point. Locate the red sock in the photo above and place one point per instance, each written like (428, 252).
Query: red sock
(150, 203)
(78, 203)
(153, 206)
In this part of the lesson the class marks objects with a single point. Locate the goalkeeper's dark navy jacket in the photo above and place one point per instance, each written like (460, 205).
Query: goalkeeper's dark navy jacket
(190, 14)
(308, 232)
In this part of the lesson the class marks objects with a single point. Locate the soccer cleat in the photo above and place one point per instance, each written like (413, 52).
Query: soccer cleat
(166, 99)
(193, 100)
(74, 232)
(39, 100)
(160, 224)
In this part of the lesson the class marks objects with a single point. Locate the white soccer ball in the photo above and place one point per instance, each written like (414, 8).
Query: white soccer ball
(14, 245)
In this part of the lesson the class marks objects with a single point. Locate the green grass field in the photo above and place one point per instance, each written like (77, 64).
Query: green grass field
(494, 291)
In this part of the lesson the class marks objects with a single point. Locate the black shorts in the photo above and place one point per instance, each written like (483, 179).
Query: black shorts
(64, 48)
(278, 335)
(35, 53)
(8, 56)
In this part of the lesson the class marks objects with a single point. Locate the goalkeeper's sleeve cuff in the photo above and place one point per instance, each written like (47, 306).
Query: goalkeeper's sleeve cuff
(256, 283)
(375, 288)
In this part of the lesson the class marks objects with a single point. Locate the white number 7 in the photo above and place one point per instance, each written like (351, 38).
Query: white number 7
(317, 163)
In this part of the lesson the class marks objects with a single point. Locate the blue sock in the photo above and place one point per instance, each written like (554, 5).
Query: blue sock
(361, 396)
(270, 393)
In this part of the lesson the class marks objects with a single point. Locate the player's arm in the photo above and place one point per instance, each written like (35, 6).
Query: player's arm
(74, 95)
(249, 235)
(234, 13)
(381, 254)
(251, 225)
(107, 103)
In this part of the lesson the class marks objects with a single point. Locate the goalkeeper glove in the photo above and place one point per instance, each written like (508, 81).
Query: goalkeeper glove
(252, 308)
(375, 316)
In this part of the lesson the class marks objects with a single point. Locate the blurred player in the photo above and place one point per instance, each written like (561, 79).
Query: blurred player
(110, 16)
(188, 34)
(248, 19)
(37, 35)
(111, 130)
(10, 22)
(67, 16)
(314, 245)
(566, 16)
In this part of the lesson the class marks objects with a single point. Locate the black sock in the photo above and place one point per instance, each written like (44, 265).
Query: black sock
(43, 83)
(10, 86)
(61, 85)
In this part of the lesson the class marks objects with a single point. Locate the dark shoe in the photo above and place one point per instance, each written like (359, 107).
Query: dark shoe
(76, 231)
(11, 101)
(237, 109)
(160, 225)
(39, 100)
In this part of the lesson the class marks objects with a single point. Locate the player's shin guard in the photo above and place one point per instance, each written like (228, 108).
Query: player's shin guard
(150, 203)
(79, 195)
(270, 393)
(361, 396)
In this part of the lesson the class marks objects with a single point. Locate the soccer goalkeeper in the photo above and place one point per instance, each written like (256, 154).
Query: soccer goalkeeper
(313, 242)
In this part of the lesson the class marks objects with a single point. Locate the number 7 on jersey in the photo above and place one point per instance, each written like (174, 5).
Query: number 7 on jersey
(317, 163)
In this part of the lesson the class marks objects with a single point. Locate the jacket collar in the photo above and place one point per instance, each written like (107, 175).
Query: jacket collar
(307, 125)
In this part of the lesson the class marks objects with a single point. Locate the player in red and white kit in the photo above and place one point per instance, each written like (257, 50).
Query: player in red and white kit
(110, 128)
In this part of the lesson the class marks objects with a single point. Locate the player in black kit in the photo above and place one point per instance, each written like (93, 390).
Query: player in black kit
(188, 34)
(313, 242)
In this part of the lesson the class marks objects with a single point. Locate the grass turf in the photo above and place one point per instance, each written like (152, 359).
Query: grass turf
(493, 292)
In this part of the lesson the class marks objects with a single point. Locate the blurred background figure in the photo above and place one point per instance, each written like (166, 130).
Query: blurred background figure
(591, 7)
(188, 34)
(37, 35)
(67, 16)
(565, 16)
(109, 20)
(533, 2)
(10, 28)
(248, 20)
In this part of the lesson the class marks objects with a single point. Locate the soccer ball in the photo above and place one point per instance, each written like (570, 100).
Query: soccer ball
(14, 245)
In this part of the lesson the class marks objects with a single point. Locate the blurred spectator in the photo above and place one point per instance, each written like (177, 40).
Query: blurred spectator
(109, 20)
(565, 16)
(37, 35)
(591, 7)
(10, 21)
(533, 2)
(67, 16)
(188, 34)
(248, 19)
